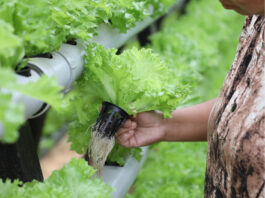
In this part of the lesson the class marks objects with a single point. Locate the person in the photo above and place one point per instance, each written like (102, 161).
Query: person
(233, 123)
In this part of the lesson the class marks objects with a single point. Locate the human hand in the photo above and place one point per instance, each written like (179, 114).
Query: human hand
(144, 129)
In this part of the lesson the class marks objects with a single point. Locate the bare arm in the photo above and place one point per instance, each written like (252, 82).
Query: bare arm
(187, 124)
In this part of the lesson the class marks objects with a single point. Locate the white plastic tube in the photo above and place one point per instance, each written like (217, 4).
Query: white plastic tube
(112, 38)
(74, 56)
(66, 66)
(56, 67)
(32, 105)
(121, 178)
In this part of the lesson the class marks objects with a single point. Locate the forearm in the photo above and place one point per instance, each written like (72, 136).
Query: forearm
(188, 124)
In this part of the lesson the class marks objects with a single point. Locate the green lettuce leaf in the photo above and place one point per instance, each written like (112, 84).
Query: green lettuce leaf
(172, 169)
(77, 18)
(11, 49)
(11, 117)
(72, 181)
(43, 25)
(9, 189)
(75, 178)
(136, 80)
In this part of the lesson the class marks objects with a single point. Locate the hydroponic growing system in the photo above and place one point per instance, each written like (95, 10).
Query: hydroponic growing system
(19, 160)
(72, 55)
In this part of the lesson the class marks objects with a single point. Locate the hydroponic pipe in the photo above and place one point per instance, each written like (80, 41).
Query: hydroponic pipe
(31, 105)
(66, 66)
(112, 38)
(121, 178)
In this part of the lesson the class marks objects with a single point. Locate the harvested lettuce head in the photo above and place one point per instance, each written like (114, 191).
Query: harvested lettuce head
(136, 81)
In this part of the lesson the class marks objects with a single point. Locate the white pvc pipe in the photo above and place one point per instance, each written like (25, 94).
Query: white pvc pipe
(32, 105)
(121, 178)
(112, 38)
(56, 67)
(66, 66)
(74, 56)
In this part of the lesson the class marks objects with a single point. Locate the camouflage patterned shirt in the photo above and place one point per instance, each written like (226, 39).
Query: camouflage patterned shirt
(236, 127)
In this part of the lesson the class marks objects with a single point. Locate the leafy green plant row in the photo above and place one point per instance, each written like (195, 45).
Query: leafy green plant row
(172, 170)
(42, 26)
(29, 28)
(137, 80)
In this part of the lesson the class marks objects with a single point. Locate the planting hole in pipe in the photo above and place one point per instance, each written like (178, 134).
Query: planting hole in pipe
(25, 71)
(71, 42)
(45, 55)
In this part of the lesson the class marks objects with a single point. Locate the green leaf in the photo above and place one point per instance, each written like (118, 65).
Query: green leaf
(12, 114)
(72, 181)
(11, 48)
(9, 189)
(172, 170)
(11, 117)
(76, 178)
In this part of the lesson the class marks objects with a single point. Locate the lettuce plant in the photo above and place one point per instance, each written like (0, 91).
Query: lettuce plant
(73, 180)
(136, 81)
